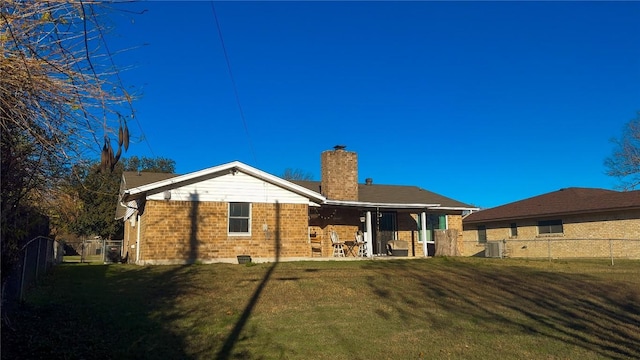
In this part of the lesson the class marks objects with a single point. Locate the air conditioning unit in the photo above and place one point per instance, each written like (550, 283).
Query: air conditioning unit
(494, 249)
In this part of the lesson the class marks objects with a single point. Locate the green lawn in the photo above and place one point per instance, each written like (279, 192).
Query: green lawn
(442, 308)
(87, 258)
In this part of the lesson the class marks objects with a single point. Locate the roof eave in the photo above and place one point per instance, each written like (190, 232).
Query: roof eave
(459, 208)
(160, 186)
(379, 205)
(534, 216)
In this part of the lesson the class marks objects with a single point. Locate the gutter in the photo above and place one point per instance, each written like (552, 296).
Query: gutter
(459, 208)
(397, 205)
(126, 206)
(379, 205)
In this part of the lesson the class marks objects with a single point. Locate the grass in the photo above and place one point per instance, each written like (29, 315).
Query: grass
(444, 308)
(87, 258)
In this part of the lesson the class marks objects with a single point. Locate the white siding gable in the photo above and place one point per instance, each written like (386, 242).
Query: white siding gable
(233, 188)
(132, 206)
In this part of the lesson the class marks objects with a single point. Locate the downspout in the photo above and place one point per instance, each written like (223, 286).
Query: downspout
(138, 239)
(138, 226)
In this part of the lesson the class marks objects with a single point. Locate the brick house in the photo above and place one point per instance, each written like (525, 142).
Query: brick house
(568, 223)
(216, 214)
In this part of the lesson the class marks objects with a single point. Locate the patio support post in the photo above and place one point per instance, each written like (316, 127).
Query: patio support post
(423, 233)
(368, 237)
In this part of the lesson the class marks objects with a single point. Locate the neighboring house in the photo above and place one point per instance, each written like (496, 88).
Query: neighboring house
(216, 214)
(572, 222)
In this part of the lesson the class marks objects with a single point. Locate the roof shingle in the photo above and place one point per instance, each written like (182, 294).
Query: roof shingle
(393, 194)
(132, 179)
(564, 201)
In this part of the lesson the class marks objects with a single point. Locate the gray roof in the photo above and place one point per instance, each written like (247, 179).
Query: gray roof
(132, 179)
(374, 193)
(393, 194)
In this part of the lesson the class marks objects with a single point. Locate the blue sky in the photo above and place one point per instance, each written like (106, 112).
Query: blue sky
(483, 102)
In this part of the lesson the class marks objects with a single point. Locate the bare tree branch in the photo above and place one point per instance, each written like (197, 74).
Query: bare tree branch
(60, 97)
(624, 163)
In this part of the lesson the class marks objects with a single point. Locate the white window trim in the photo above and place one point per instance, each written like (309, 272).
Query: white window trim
(433, 240)
(229, 233)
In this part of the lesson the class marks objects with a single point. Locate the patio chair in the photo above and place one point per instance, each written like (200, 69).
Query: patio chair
(316, 245)
(362, 245)
(338, 249)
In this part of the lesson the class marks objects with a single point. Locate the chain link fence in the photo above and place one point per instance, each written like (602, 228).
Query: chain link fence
(93, 250)
(563, 248)
(35, 259)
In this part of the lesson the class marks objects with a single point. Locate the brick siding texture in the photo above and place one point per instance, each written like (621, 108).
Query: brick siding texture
(184, 231)
(614, 234)
(408, 231)
(339, 170)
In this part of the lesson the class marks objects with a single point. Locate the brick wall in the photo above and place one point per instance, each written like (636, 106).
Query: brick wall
(408, 231)
(455, 222)
(587, 235)
(339, 171)
(129, 239)
(184, 231)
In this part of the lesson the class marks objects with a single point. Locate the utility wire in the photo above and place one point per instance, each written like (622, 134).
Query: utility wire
(233, 84)
(121, 84)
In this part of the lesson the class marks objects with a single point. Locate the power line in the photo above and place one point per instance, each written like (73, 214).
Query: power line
(143, 137)
(233, 84)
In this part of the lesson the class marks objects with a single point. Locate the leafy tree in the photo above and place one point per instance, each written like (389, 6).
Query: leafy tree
(158, 164)
(624, 163)
(296, 174)
(96, 194)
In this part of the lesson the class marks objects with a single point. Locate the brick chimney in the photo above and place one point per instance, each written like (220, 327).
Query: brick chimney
(339, 169)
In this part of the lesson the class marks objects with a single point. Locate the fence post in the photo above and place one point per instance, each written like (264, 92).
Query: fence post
(549, 248)
(24, 266)
(38, 259)
(611, 250)
(49, 255)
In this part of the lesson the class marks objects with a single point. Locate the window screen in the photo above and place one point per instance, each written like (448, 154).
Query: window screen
(239, 218)
(482, 234)
(550, 227)
(513, 230)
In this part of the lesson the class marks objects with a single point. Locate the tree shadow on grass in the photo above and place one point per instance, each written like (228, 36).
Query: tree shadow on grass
(100, 312)
(597, 315)
(226, 351)
(126, 311)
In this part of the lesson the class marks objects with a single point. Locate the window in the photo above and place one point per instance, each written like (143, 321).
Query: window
(514, 230)
(240, 218)
(482, 234)
(434, 222)
(550, 227)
